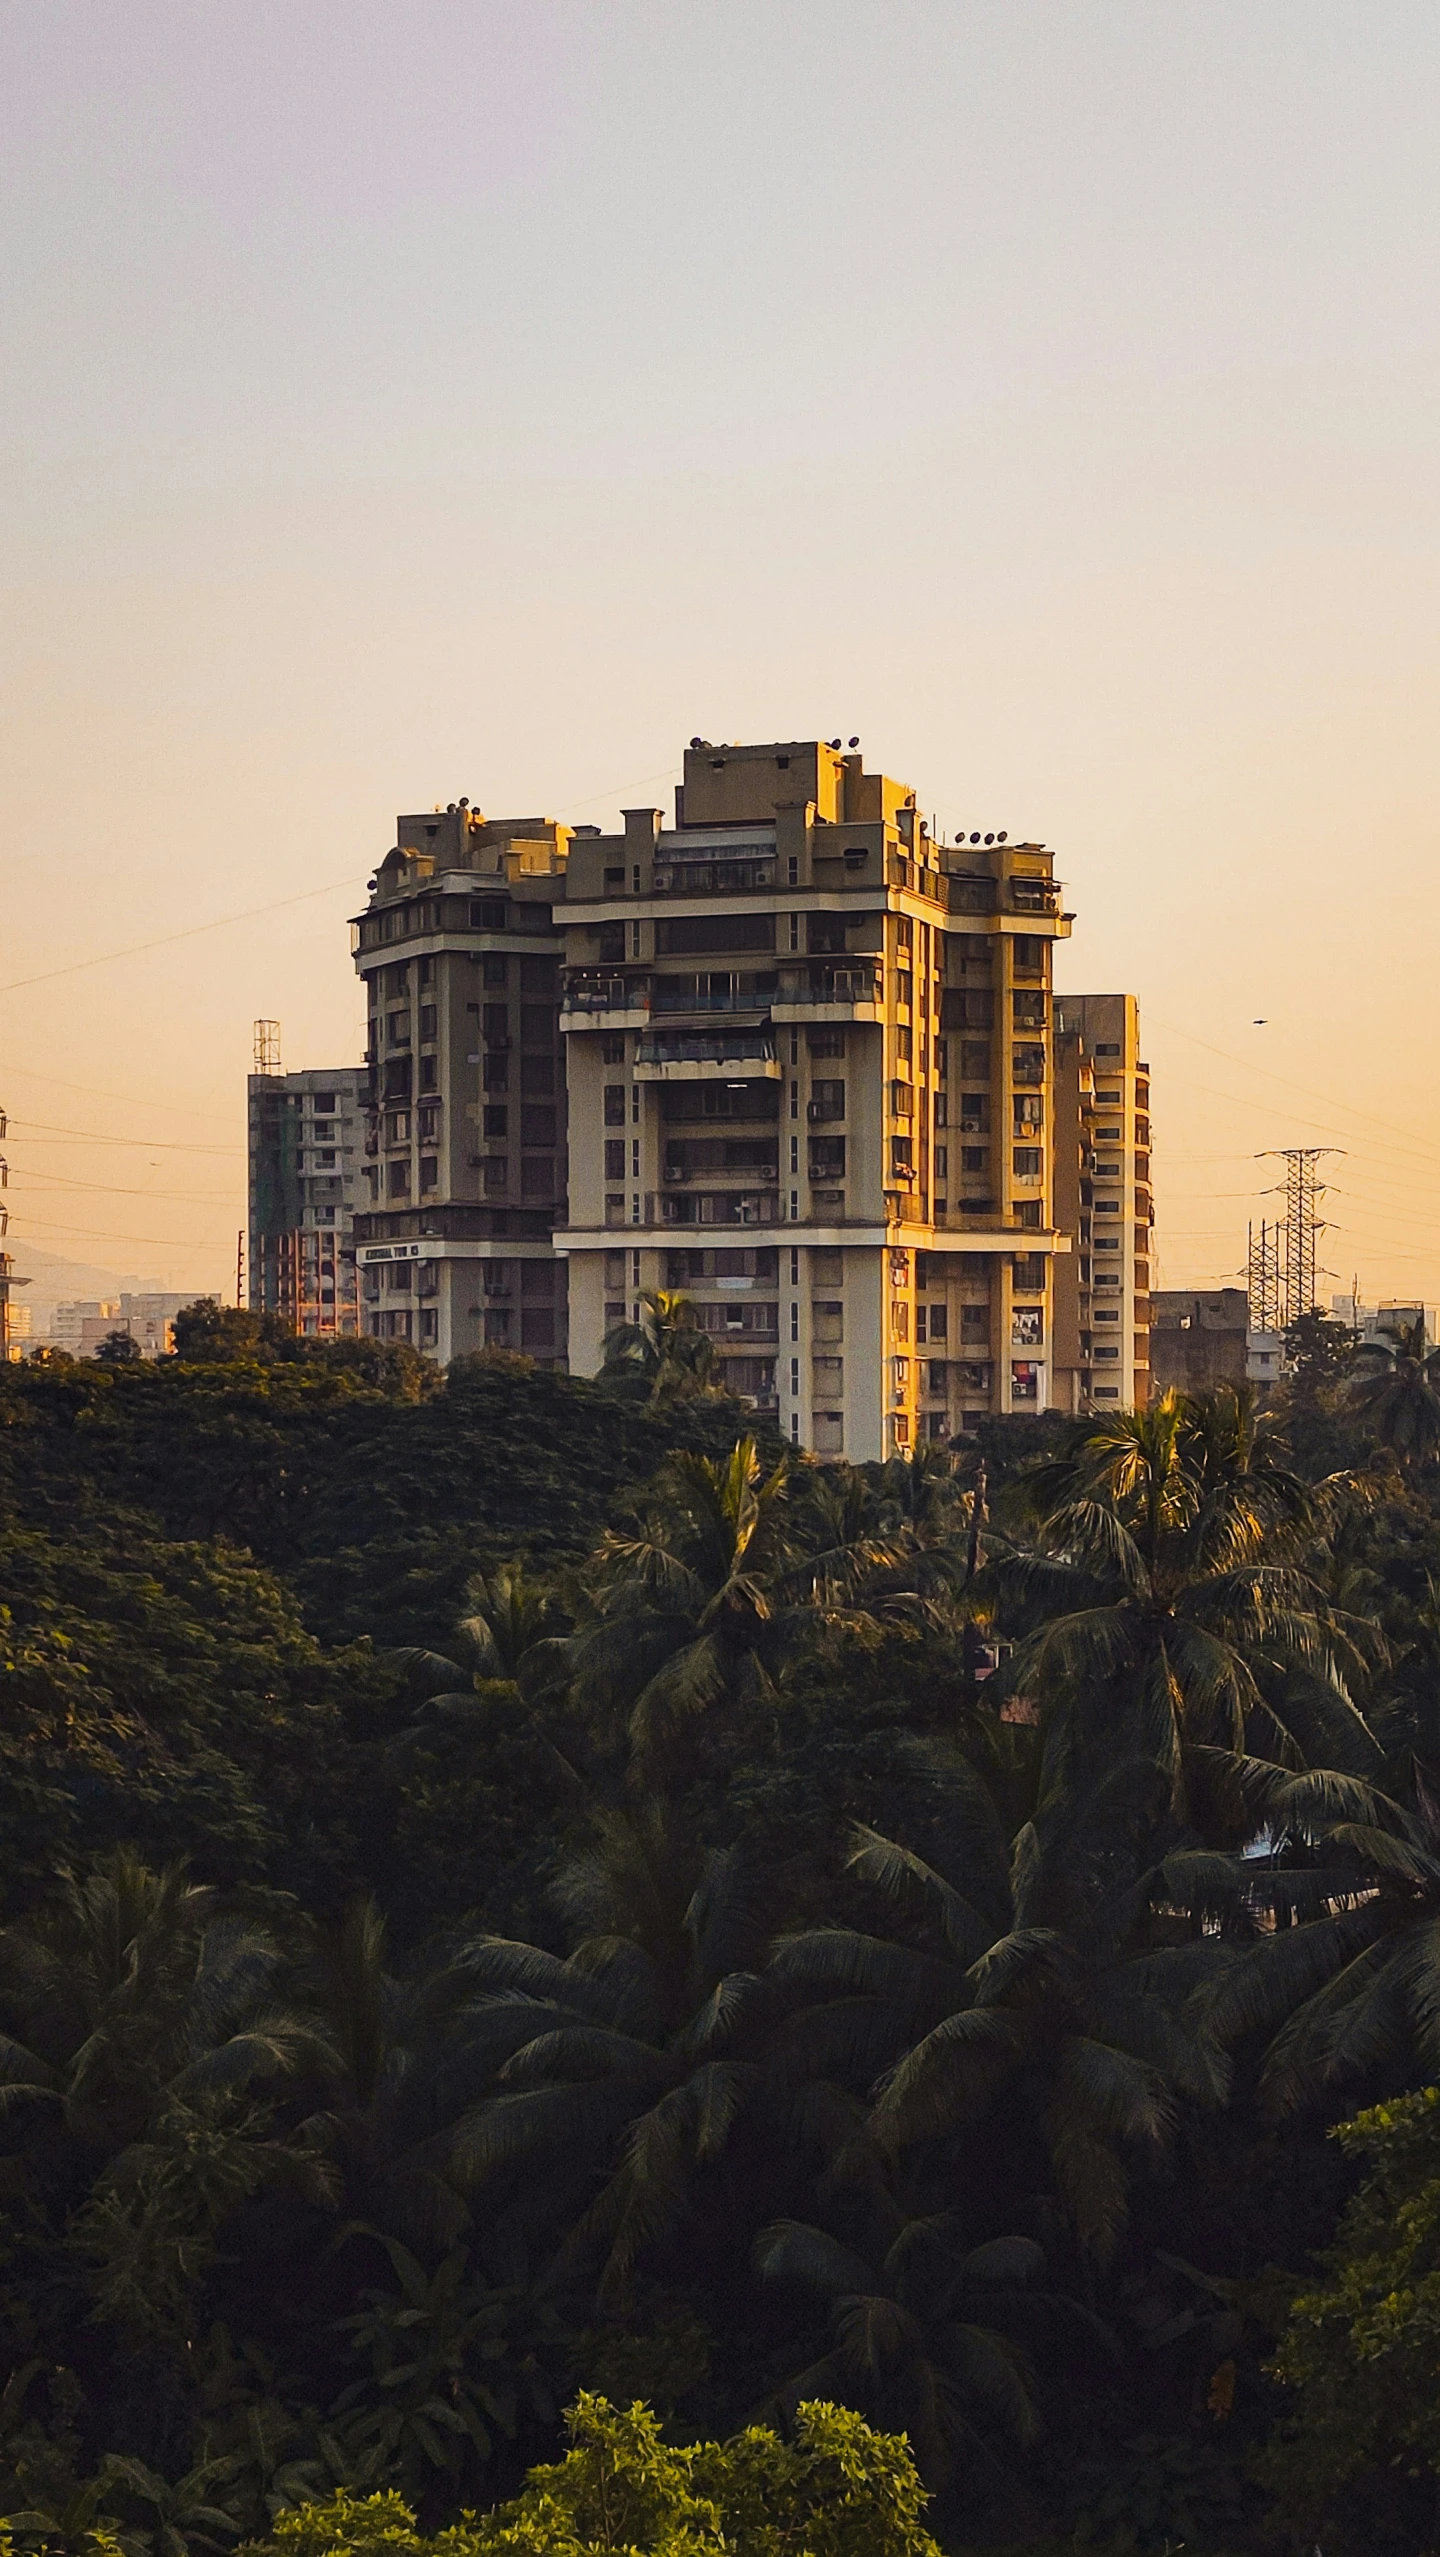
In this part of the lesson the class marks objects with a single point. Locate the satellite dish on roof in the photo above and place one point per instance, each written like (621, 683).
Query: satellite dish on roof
(854, 741)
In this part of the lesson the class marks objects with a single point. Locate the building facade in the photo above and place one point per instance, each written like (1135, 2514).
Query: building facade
(306, 1140)
(465, 1151)
(1200, 1338)
(810, 1081)
(1104, 1200)
(792, 1056)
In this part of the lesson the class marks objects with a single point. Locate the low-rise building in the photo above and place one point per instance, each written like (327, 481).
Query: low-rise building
(1199, 1337)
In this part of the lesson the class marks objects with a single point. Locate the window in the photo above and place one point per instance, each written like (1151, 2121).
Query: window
(429, 1172)
(902, 1158)
(429, 1073)
(1028, 1211)
(537, 1075)
(975, 1060)
(494, 968)
(497, 1119)
(497, 1172)
(615, 1158)
(1029, 1065)
(324, 1105)
(614, 1312)
(428, 1021)
(827, 1158)
(1027, 1162)
(974, 1325)
(827, 1319)
(612, 1048)
(1027, 1326)
(827, 1433)
(826, 1043)
(1029, 954)
(429, 1326)
(614, 1211)
(398, 1183)
(497, 1071)
(427, 970)
(1028, 1273)
(974, 1158)
(937, 1376)
(827, 1100)
(899, 1318)
(497, 1327)
(614, 1105)
(1029, 1113)
(427, 1123)
(489, 914)
(1029, 1010)
(1024, 1381)
(397, 1029)
(975, 1113)
(537, 1123)
(942, 1163)
(939, 1322)
(829, 1375)
(495, 1021)
(1106, 1349)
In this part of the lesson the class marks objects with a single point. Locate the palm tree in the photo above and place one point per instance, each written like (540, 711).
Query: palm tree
(1393, 1388)
(928, 2335)
(1032, 1970)
(1164, 1602)
(135, 1991)
(684, 1610)
(664, 1356)
(1346, 1974)
(510, 1630)
(622, 2068)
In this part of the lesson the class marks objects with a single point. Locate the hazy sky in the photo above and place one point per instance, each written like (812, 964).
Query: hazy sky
(413, 400)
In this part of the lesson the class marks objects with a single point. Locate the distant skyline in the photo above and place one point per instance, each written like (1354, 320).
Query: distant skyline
(420, 399)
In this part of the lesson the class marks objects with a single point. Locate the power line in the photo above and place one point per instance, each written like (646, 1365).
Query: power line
(161, 1144)
(166, 940)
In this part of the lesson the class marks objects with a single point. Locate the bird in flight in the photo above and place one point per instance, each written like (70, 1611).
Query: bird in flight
(1261, 1023)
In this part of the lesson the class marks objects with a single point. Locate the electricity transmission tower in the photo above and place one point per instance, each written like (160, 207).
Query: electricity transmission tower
(1287, 1278)
(1263, 1275)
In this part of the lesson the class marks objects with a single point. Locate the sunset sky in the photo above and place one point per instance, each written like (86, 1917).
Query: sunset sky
(402, 401)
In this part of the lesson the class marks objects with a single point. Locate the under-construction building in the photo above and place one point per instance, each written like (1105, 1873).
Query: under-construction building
(306, 1140)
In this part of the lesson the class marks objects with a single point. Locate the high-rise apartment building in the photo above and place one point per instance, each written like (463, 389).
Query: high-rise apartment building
(792, 1056)
(1103, 1199)
(810, 1083)
(465, 1156)
(307, 1137)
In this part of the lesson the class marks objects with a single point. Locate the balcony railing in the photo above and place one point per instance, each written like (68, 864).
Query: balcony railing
(859, 982)
(713, 877)
(589, 990)
(720, 1207)
(706, 1047)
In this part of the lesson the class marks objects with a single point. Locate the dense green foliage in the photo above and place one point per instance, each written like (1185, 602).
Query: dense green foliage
(836, 2489)
(512, 1889)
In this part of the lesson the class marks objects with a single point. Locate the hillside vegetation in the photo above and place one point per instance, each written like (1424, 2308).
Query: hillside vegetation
(518, 1895)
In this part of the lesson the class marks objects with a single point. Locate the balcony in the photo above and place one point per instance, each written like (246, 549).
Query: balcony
(706, 1056)
(717, 1207)
(827, 992)
(592, 999)
(713, 876)
(1032, 896)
